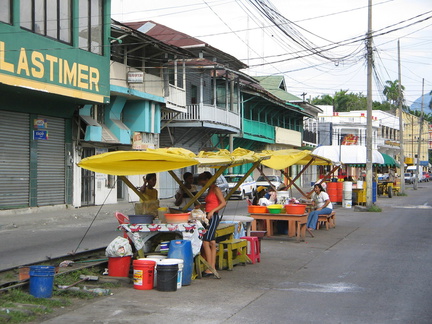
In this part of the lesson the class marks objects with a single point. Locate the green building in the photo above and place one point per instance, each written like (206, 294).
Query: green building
(54, 59)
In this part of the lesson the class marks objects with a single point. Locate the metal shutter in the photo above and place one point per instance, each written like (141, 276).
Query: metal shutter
(14, 160)
(51, 179)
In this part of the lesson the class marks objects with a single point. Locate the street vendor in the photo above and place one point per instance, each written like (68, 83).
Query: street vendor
(181, 197)
(323, 206)
(148, 187)
(214, 203)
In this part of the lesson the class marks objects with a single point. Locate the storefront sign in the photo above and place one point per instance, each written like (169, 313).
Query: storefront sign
(135, 77)
(41, 70)
(40, 135)
(40, 123)
(391, 143)
(350, 139)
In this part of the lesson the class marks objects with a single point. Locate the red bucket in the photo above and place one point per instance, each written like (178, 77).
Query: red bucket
(143, 273)
(119, 267)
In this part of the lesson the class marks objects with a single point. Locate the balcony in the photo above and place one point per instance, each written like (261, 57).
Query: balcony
(206, 116)
(258, 131)
(175, 97)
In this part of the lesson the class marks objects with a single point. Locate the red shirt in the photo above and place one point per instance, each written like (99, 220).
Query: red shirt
(211, 200)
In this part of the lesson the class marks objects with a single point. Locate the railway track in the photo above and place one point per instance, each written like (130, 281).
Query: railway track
(15, 277)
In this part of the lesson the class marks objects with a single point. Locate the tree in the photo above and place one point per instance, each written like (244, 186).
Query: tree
(323, 100)
(391, 91)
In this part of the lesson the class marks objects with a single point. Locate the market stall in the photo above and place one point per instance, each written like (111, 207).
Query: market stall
(123, 163)
(354, 157)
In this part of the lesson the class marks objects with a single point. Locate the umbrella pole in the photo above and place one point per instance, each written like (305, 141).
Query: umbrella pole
(143, 196)
(253, 167)
(335, 168)
(206, 186)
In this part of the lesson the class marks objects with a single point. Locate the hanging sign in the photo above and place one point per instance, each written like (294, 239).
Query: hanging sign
(40, 134)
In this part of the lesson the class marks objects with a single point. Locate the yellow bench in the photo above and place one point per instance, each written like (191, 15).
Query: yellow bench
(232, 252)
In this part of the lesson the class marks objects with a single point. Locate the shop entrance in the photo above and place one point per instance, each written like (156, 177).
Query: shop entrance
(87, 181)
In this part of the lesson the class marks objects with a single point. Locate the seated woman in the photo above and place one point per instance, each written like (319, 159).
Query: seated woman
(148, 186)
(323, 206)
(181, 197)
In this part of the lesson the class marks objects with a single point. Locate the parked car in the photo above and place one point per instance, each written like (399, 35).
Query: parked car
(409, 178)
(247, 188)
(426, 176)
(274, 179)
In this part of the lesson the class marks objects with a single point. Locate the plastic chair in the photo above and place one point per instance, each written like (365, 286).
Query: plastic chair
(122, 219)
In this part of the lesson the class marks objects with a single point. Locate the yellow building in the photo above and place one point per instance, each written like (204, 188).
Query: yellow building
(411, 137)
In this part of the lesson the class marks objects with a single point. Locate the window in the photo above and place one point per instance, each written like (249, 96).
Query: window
(194, 94)
(51, 18)
(5, 11)
(91, 25)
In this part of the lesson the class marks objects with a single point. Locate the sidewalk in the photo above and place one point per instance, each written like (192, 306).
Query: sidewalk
(215, 301)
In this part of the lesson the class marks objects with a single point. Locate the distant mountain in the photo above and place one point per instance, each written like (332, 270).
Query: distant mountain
(426, 104)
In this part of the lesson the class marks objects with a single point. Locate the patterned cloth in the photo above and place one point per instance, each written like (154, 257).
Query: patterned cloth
(141, 233)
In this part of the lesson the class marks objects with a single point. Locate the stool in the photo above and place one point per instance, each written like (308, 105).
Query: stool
(329, 220)
(260, 235)
(253, 248)
(236, 252)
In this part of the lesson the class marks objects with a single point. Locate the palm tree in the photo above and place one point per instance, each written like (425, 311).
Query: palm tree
(391, 91)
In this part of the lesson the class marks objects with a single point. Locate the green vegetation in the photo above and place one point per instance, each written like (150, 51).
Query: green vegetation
(18, 306)
(374, 209)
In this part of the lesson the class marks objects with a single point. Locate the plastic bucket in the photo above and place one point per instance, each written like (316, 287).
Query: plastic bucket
(143, 273)
(332, 191)
(182, 249)
(158, 258)
(41, 281)
(167, 276)
(119, 267)
(180, 263)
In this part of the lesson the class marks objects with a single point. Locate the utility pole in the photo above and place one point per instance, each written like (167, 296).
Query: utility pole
(401, 127)
(369, 180)
(416, 179)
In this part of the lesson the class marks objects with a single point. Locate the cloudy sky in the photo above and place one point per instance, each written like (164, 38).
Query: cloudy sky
(318, 45)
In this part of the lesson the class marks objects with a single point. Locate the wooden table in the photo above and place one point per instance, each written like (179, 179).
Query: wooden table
(296, 223)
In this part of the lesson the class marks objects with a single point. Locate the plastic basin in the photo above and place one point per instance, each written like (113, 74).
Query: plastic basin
(177, 218)
(295, 209)
(253, 209)
(140, 219)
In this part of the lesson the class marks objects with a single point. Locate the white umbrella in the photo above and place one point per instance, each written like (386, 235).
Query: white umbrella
(348, 154)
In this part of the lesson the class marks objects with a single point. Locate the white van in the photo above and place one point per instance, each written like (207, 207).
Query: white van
(412, 169)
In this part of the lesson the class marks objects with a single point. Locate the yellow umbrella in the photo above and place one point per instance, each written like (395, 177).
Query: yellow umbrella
(139, 162)
(282, 159)
(225, 158)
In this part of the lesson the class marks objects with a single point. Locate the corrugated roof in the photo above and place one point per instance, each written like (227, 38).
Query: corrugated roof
(275, 84)
(177, 38)
(164, 33)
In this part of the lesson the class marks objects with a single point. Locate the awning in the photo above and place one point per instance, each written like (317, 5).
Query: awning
(123, 163)
(225, 158)
(348, 154)
(389, 161)
(282, 159)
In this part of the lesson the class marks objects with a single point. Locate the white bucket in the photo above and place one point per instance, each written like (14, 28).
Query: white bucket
(158, 258)
(347, 203)
(180, 263)
(282, 197)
